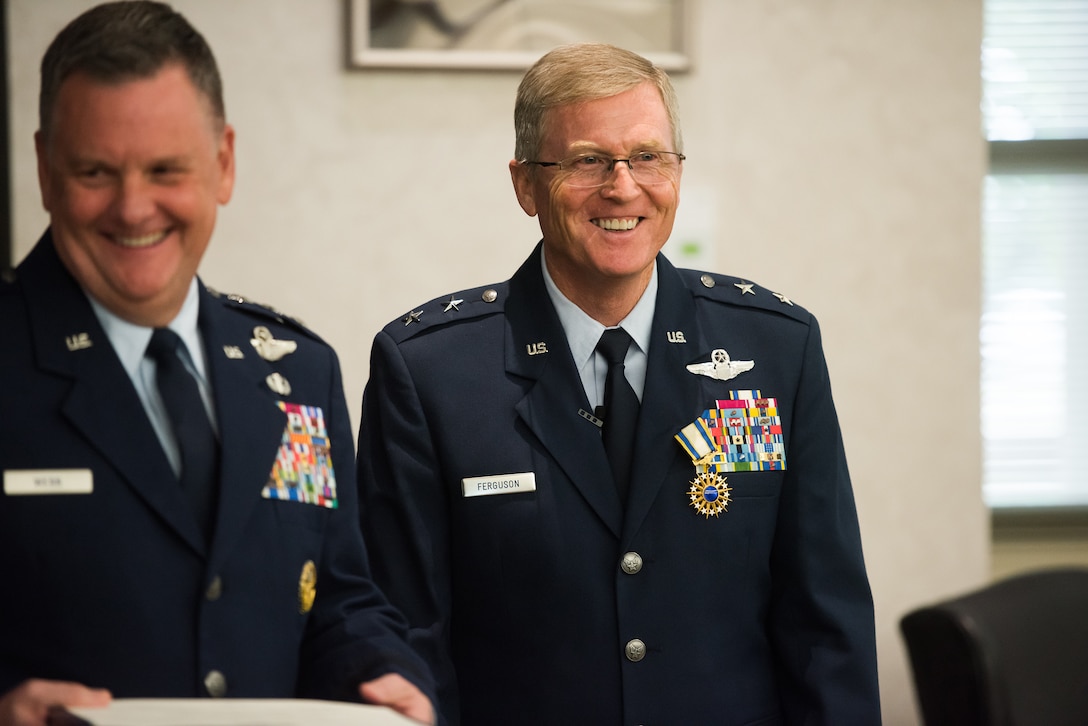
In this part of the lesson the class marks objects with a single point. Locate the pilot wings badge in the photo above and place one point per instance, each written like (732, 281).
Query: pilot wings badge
(268, 347)
(720, 367)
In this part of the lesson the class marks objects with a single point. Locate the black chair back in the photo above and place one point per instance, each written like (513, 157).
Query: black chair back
(1014, 653)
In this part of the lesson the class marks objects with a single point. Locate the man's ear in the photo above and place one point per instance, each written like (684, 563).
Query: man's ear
(521, 175)
(224, 157)
(44, 175)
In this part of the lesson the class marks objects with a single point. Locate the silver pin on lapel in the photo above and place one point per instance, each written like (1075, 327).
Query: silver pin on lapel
(279, 384)
(80, 341)
(720, 367)
(676, 336)
(591, 418)
(269, 347)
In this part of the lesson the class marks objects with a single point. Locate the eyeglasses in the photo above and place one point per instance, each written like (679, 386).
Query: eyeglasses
(594, 170)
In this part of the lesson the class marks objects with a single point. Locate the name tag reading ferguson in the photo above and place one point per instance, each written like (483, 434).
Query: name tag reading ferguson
(48, 481)
(483, 486)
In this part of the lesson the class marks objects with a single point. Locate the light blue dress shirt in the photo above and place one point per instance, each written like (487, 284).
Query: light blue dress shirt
(130, 341)
(583, 333)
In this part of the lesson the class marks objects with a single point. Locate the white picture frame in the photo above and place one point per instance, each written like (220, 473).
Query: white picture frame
(510, 34)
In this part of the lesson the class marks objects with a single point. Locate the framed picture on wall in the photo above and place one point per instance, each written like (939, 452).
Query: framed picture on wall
(510, 34)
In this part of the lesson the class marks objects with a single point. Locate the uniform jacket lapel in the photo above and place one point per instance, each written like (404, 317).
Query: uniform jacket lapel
(550, 406)
(251, 424)
(102, 404)
(671, 396)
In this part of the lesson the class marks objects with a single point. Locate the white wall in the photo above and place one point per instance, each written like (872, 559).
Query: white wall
(834, 155)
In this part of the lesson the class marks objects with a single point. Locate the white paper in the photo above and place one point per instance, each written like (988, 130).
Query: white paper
(238, 712)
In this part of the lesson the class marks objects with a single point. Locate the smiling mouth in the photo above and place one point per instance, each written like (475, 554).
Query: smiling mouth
(617, 224)
(145, 240)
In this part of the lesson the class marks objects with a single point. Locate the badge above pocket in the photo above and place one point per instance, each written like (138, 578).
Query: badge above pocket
(303, 469)
(740, 433)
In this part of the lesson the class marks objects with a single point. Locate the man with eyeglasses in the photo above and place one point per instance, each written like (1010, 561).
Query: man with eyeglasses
(609, 491)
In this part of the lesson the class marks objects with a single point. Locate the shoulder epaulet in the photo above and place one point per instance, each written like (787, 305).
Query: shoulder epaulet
(263, 311)
(738, 291)
(451, 308)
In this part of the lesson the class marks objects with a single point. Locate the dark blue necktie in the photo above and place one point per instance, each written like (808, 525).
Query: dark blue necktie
(196, 440)
(620, 408)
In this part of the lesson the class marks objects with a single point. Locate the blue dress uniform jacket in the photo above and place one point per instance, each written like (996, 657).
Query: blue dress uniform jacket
(531, 606)
(118, 588)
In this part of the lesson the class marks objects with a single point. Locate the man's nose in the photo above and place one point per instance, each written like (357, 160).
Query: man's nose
(621, 177)
(135, 199)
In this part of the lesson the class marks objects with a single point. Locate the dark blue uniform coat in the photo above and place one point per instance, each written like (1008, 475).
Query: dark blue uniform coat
(117, 588)
(760, 615)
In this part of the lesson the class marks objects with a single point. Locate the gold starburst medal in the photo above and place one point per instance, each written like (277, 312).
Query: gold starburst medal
(709, 494)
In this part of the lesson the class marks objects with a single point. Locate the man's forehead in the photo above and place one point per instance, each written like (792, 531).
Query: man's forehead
(635, 120)
(649, 143)
(99, 79)
(91, 81)
(171, 84)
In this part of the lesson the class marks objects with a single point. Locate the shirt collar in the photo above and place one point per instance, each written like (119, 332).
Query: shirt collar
(583, 332)
(130, 340)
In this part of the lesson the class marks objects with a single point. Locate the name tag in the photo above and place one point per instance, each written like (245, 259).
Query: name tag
(483, 486)
(48, 481)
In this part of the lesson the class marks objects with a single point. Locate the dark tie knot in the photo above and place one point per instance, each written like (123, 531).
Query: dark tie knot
(164, 345)
(613, 345)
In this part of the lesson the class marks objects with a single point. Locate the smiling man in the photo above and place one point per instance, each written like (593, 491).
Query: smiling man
(179, 515)
(608, 491)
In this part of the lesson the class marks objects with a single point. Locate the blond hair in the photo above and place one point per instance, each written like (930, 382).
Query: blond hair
(582, 72)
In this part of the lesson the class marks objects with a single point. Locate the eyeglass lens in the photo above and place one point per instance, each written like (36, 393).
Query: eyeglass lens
(645, 168)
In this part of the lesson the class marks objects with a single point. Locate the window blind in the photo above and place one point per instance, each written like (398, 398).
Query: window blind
(1034, 327)
(1035, 69)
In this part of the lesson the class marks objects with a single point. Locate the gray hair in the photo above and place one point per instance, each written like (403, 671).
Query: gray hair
(583, 72)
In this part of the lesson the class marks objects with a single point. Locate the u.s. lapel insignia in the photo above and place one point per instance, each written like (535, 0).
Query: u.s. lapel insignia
(279, 384)
(307, 587)
(720, 367)
(268, 347)
(233, 352)
(80, 341)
